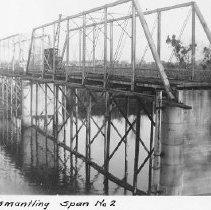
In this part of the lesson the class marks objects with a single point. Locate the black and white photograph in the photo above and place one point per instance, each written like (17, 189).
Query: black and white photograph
(104, 100)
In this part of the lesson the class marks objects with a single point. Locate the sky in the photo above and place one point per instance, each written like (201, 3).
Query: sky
(20, 16)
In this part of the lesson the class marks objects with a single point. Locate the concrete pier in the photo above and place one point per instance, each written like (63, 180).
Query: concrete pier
(172, 147)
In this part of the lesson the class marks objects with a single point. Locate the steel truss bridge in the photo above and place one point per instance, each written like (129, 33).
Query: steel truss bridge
(80, 54)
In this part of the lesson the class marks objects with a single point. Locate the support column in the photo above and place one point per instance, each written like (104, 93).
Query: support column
(172, 135)
(68, 47)
(16, 105)
(76, 129)
(84, 50)
(64, 119)
(136, 158)
(107, 140)
(150, 148)
(193, 56)
(21, 103)
(93, 48)
(3, 103)
(71, 132)
(133, 47)
(7, 110)
(31, 118)
(105, 50)
(126, 141)
(11, 109)
(159, 34)
(46, 123)
(88, 133)
(36, 122)
(56, 148)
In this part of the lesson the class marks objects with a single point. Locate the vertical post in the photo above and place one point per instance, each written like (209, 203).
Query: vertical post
(157, 143)
(13, 56)
(105, 49)
(150, 149)
(79, 53)
(7, 108)
(76, 127)
(133, 47)
(54, 45)
(19, 50)
(107, 139)
(136, 158)
(11, 107)
(8, 55)
(46, 123)
(3, 102)
(159, 34)
(68, 46)
(126, 141)
(193, 57)
(56, 125)
(36, 122)
(111, 47)
(30, 51)
(64, 117)
(88, 146)
(42, 53)
(54, 122)
(84, 50)
(21, 101)
(93, 50)
(71, 134)
(31, 117)
(16, 105)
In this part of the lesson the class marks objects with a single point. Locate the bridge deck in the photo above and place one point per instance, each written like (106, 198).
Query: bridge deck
(147, 81)
(121, 77)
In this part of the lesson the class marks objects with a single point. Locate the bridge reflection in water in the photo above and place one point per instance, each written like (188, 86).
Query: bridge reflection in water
(29, 167)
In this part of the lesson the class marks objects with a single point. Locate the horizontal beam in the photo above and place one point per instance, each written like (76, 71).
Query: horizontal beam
(9, 37)
(85, 13)
(126, 17)
(162, 9)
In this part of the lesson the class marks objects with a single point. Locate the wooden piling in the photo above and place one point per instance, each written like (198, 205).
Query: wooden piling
(136, 158)
(46, 123)
(71, 132)
(88, 145)
(36, 122)
(31, 118)
(126, 141)
(150, 148)
(107, 140)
